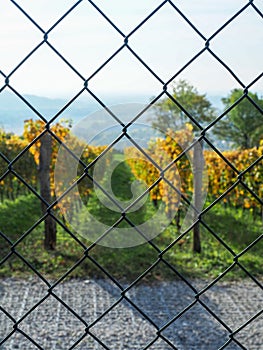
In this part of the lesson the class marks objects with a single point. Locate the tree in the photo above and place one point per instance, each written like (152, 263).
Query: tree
(243, 125)
(170, 116)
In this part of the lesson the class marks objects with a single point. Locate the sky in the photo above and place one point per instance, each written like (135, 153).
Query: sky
(166, 42)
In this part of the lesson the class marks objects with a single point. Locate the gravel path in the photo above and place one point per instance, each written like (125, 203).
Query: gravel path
(53, 327)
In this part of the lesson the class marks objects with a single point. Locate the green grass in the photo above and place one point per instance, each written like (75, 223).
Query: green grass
(237, 228)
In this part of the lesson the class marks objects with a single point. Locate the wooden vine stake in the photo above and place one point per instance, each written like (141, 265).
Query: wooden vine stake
(45, 158)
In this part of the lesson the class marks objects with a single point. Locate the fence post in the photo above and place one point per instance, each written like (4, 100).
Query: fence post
(198, 165)
(45, 192)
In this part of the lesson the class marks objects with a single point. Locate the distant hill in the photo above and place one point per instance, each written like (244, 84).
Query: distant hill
(14, 111)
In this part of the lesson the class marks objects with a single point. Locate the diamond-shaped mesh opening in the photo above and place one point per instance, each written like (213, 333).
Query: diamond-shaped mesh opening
(83, 300)
(56, 334)
(217, 259)
(234, 311)
(130, 322)
(205, 329)
(213, 335)
(211, 80)
(115, 73)
(125, 270)
(28, 296)
(89, 20)
(156, 308)
(53, 75)
(81, 107)
(174, 29)
(225, 44)
(68, 253)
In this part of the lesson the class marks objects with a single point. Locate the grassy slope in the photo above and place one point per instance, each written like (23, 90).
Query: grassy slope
(235, 227)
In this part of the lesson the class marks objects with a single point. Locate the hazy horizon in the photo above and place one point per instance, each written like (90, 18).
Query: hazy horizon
(14, 111)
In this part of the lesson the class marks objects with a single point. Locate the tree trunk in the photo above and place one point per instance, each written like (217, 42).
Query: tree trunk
(198, 165)
(45, 192)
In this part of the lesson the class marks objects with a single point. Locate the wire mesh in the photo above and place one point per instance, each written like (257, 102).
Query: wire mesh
(159, 333)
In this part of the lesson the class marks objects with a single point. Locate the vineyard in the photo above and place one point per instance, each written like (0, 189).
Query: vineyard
(25, 169)
(172, 168)
(169, 179)
(169, 169)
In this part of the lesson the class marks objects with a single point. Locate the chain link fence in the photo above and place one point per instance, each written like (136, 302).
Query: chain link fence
(160, 334)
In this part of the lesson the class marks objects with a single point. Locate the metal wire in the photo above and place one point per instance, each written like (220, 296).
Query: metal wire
(160, 254)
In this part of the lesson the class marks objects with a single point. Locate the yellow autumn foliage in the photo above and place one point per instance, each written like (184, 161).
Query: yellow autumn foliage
(221, 176)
